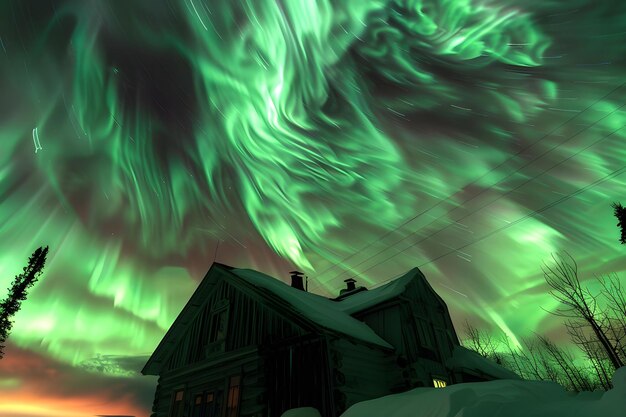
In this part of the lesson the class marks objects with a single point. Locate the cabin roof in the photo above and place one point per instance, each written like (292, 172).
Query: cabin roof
(463, 358)
(366, 299)
(316, 308)
(182, 321)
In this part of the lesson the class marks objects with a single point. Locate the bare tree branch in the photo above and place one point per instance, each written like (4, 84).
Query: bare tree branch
(579, 302)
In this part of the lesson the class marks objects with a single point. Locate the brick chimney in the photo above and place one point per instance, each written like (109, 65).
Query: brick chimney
(349, 285)
(349, 290)
(296, 280)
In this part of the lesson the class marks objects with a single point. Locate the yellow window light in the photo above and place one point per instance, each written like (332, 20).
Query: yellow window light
(439, 383)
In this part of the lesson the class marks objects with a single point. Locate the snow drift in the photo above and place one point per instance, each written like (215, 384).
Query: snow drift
(501, 398)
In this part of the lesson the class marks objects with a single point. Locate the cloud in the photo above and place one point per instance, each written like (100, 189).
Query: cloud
(46, 388)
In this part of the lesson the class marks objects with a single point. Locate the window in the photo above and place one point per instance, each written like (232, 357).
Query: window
(177, 404)
(197, 406)
(444, 342)
(234, 390)
(212, 406)
(218, 322)
(204, 405)
(439, 383)
(217, 329)
(218, 326)
(424, 334)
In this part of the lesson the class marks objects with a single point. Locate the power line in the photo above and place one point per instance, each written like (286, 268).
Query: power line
(472, 183)
(483, 191)
(501, 180)
(216, 249)
(542, 209)
(521, 219)
(489, 203)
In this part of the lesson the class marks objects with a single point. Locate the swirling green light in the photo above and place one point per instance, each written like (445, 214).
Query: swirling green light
(303, 120)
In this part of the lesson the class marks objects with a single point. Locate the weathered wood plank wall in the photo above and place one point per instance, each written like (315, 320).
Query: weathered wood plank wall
(360, 372)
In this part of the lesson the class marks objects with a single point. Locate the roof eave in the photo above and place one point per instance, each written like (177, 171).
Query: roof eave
(161, 353)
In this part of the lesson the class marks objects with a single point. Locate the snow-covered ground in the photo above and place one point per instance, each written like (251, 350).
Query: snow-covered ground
(501, 398)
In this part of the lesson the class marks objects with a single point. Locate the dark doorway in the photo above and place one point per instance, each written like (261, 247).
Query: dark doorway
(297, 372)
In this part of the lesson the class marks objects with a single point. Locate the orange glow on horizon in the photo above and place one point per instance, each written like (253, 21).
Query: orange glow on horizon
(33, 385)
(36, 405)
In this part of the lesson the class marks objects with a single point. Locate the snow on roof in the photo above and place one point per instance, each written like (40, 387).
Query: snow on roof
(366, 299)
(501, 398)
(465, 358)
(314, 307)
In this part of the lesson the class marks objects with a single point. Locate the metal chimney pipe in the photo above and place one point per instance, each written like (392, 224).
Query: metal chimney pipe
(296, 280)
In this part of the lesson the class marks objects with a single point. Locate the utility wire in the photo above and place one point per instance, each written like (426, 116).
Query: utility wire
(489, 203)
(216, 249)
(567, 197)
(487, 189)
(521, 219)
(472, 183)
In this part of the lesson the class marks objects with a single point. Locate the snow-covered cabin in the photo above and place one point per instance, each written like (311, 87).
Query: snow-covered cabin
(249, 345)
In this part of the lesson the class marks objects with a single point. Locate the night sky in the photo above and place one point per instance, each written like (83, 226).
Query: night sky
(142, 140)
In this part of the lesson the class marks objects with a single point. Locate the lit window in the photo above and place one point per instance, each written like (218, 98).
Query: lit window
(439, 383)
(232, 407)
(209, 397)
(178, 405)
(198, 400)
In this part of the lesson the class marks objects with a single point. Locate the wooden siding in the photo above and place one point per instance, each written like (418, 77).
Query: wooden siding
(250, 323)
(422, 372)
(298, 375)
(431, 315)
(285, 361)
(435, 334)
(361, 373)
(418, 325)
(386, 323)
(214, 376)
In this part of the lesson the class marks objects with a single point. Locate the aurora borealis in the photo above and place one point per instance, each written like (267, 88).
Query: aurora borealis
(141, 140)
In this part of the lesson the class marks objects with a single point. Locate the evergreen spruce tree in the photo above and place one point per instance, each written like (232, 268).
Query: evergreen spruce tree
(620, 213)
(18, 291)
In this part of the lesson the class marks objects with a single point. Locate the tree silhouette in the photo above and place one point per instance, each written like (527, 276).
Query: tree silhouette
(579, 304)
(18, 291)
(620, 213)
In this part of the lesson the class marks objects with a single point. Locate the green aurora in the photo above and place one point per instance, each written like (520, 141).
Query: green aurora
(137, 135)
